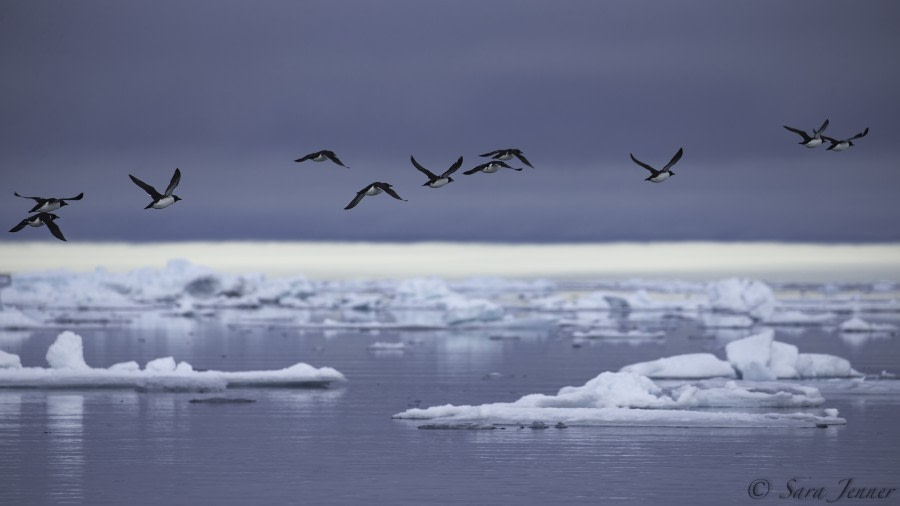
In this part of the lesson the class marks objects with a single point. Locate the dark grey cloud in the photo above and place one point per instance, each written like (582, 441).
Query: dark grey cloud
(231, 92)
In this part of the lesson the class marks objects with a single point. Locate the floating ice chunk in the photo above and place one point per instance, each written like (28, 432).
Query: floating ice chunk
(725, 321)
(783, 360)
(125, 366)
(67, 352)
(791, 317)
(68, 370)
(631, 399)
(13, 319)
(382, 346)
(616, 334)
(750, 297)
(750, 356)
(817, 365)
(9, 361)
(161, 365)
(688, 366)
(462, 310)
(857, 324)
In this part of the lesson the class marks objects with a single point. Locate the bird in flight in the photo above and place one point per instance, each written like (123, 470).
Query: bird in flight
(39, 220)
(373, 189)
(435, 181)
(658, 176)
(489, 167)
(507, 154)
(321, 156)
(840, 145)
(813, 140)
(160, 200)
(45, 205)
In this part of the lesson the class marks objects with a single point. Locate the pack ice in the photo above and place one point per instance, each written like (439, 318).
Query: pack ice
(69, 370)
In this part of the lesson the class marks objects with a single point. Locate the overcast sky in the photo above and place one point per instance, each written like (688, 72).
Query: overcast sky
(231, 92)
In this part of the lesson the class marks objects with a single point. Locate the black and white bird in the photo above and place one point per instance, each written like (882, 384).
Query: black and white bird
(658, 176)
(840, 145)
(490, 167)
(810, 141)
(435, 181)
(373, 189)
(507, 154)
(45, 205)
(160, 200)
(39, 220)
(321, 156)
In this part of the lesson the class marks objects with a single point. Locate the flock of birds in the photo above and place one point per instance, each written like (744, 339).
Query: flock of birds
(44, 207)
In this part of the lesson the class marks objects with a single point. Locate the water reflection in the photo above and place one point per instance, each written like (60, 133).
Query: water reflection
(65, 414)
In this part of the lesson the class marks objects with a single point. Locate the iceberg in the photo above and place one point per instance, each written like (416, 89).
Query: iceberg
(627, 398)
(857, 324)
(688, 366)
(69, 370)
(13, 319)
(743, 296)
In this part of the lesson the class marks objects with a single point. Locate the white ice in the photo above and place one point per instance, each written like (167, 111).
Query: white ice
(13, 319)
(626, 398)
(69, 370)
(857, 324)
(688, 366)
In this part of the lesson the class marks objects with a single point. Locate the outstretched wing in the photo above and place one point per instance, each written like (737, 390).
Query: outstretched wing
(36, 199)
(308, 157)
(333, 157)
(829, 139)
(798, 132)
(821, 128)
(77, 197)
(674, 159)
(861, 134)
(390, 191)
(20, 226)
(356, 200)
(453, 168)
(642, 164)
(146, 187)
(54, 229)
(474, 170)
(423, 170)
(492, 153)
(176, 178)
(524, 160)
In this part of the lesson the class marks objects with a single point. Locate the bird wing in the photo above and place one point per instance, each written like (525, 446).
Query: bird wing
(524, 160)
(146, 187)
(642, 164)
(54, 229)
(798, 132)
(423, 170)
(831, 140)
(36, 199)
(861, 134)
(176, 178)
(359, 196)
(453, 168)
(390, 191)
(77, 197)
(492, 153)
(821, 128)
(474, 170)
(674, 159)
(308, 157)
(333, 157)
(20, 226)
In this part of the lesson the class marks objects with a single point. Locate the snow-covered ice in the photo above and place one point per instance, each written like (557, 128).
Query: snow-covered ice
(13, 319)
(627, 398)
(69, 370)
(688, 366)
(857, 324)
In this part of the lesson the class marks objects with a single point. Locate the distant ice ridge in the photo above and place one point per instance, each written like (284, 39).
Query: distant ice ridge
(758, 358)
(627, 398)
(857, 324)
(69, 370)
(13, 319)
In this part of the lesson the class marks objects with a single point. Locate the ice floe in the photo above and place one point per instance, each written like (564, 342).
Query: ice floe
(857, 324)
(757, 357)
(626, 398)
(69, 370)
(13, 319)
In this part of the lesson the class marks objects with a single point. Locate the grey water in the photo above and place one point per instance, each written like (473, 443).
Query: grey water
(340, 446)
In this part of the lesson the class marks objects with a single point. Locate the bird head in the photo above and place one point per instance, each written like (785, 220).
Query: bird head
(176, 197)
(63, 203)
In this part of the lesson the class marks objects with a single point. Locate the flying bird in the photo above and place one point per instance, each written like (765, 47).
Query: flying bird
(373, 189)
(840, 145)
(813, 140)
(488, 168)
(41, 219)
(507, 154)
(658, 176)
(435, 181)
(45, 205)
(321, 156)
(160, 200)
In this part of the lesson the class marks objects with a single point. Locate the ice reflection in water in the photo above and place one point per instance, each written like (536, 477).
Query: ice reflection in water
(65, 414)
